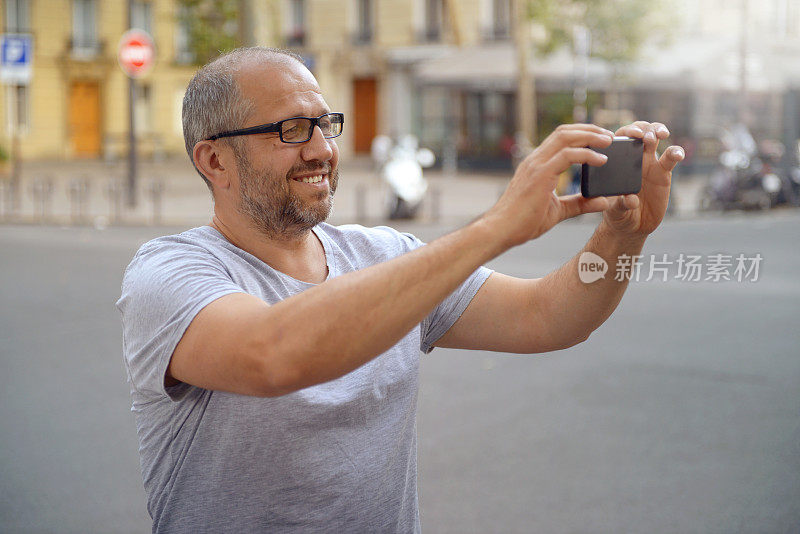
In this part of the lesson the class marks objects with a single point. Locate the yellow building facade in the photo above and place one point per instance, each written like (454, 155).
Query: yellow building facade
(392, 66)
(76, 102)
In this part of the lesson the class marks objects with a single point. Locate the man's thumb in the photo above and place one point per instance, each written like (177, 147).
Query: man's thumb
(623, 203)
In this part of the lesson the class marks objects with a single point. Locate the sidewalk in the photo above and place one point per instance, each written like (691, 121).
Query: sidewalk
(170, 192)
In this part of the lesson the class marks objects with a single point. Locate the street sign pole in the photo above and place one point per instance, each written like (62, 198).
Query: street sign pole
(16, 159)
(136, 54)
(132, 143)
(16, 58)
(132, 127)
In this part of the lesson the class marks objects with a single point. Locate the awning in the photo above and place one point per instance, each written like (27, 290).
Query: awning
(696, 63)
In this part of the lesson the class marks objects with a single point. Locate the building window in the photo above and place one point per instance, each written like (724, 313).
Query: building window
(364, 21)
(297, 23)
(786, 18)
(17, 16)
(142, 16)
(183, 40)
(434, 118)
(84, 28)
(434, 20)
(501, 14)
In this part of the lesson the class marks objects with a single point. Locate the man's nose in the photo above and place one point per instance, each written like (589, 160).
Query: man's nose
(317, 148)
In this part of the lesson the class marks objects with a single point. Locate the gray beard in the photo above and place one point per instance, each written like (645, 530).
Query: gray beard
(270, 207)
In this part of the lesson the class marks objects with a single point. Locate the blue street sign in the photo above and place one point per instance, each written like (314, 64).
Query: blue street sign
(16, 58)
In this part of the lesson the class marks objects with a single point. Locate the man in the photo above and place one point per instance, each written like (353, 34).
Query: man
(273, 358)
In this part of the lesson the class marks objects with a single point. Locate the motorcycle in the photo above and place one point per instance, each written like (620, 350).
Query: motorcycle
(401, 169)
(790, 176)
(746, 177)
(794, 177)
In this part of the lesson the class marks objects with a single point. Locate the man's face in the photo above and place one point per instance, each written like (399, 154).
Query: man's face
(273, 196)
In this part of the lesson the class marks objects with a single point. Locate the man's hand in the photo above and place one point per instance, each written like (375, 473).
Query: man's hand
(563, 309)
(529, 207)
(639, 215)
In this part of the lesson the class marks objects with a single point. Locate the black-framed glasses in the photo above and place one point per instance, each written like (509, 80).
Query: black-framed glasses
(295, 129)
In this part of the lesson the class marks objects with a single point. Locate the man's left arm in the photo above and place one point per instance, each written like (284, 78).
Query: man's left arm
(558, 311)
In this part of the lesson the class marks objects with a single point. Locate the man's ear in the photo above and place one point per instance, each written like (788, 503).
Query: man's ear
(215, 160)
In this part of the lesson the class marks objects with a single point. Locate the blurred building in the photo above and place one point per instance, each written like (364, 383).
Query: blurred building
(76, 104)
(364, 53)
(729, 62)
(367, 55)
(722, 62)
(444, 70)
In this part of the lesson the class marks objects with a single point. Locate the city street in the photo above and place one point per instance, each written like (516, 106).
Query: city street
(680, 414)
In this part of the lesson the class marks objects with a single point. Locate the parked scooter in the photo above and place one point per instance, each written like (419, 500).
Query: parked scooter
(745, 178)
(401, 169)
(789, 174)
(794, 182)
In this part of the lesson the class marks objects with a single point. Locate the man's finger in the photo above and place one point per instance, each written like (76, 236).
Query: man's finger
(662, 132)
(650, 133)
(586, 127)
(671, 157)
(646, 134)
(636, 129)
(573, 137)
(574, 205)
(618, 205)
(565, 157)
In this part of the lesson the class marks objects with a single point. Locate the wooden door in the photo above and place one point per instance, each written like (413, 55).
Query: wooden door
(365, 111)
(84, 118)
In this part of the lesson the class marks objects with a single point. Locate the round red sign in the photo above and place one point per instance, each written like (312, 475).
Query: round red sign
(136, 52)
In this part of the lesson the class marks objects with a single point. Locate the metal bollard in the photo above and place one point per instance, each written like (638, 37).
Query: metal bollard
(42, 191)
(155, 189)
(78, 190)
(6, 199)
(9, 197)
(114, 191)
(361, 203)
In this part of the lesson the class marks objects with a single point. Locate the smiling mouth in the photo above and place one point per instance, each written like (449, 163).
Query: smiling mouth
(311, 179)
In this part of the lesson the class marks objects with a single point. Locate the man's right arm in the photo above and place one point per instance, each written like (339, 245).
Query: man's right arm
(240, 344)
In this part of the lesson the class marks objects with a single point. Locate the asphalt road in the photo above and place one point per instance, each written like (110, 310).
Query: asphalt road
(680, 414)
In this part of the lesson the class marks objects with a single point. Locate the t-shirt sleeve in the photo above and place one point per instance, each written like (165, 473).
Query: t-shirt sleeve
(164, 288)
(445, 315)
(450, 309)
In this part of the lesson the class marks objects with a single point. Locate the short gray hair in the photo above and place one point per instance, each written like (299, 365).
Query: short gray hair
(213, 102)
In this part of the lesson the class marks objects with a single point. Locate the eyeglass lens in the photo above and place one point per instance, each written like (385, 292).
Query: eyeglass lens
(294, 130)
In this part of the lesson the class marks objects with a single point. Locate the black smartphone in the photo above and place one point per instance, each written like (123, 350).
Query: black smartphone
(620, 175)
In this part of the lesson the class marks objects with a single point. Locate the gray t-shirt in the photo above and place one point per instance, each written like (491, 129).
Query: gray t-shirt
(335, 457)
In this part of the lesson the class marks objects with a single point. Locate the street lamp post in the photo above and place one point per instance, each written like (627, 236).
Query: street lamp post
(744, 116)
(526, 92)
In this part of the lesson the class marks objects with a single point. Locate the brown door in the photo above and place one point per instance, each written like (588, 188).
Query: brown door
(84, 118)
(365, 111)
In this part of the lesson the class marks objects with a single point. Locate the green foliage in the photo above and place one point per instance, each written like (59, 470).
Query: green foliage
(618, 28)
(555, 109)
(213, 27)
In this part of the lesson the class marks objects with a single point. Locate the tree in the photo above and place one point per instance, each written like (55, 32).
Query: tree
(212, 27)
(618, 29)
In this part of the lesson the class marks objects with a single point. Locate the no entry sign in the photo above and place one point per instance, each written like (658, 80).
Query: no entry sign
(136, 52)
